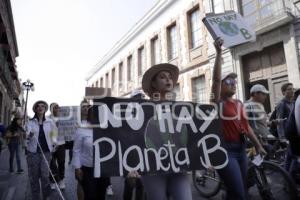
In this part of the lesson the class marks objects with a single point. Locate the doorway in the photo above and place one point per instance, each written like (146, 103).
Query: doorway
(266, 67)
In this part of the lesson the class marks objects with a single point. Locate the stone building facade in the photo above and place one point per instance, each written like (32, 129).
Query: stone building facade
(10, 88)
(172, 31)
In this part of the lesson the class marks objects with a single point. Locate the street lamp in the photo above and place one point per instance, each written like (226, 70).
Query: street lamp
(28, 85)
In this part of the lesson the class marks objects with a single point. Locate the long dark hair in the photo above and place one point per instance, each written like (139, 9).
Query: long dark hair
(36, 116)
(14, 126)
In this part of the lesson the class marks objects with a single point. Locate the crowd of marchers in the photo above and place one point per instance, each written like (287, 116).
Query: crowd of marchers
(46, 147)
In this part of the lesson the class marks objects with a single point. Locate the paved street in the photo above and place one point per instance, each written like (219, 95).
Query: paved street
(70, 191)
(12, 186)
(16, 186)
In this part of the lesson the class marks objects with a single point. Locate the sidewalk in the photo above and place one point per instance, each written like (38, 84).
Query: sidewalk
(12, 186)
(16, 186)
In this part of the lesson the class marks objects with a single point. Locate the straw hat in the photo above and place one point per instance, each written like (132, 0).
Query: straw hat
(154, 70)
(40, 102)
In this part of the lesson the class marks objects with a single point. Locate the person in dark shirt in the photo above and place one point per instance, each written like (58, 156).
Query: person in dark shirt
(14, 136)
(284, 107)
(283, 111)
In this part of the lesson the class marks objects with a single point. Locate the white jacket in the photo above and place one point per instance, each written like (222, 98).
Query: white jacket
(50, 130)
(83, 148)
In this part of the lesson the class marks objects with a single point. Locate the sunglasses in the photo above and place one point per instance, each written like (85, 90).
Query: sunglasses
(230, 82)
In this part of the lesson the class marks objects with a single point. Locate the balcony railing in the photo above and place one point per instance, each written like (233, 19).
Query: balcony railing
(11, 84)
(264, 15)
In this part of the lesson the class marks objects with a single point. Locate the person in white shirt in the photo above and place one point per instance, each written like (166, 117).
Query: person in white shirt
(93, 188)
(57, 163)
(41, 136)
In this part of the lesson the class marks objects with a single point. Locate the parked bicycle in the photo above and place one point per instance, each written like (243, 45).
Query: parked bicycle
(275, 148)
(271, 181)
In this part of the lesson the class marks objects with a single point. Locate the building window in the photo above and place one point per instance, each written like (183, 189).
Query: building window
(121, 74)
(97, 84)
(141, 60)
(106, 81)
(195, 29)
(176, 90)
(101, 82)
(198, 89)
(249, 11)
(172, 42)
(218, 6)
(261, 12)
(130, 69)
(113, 73)
(155, 51)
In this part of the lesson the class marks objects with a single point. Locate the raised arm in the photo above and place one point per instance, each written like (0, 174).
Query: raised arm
(216, 77)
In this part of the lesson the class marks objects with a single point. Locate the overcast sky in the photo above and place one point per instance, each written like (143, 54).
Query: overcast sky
(59, 41)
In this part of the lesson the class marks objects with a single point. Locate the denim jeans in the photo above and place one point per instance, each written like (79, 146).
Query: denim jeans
(234, 174)
(176, 185)
(14, 149)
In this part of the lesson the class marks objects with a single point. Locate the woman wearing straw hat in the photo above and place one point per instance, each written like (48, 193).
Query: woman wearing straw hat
(158, 83)
(41, 135)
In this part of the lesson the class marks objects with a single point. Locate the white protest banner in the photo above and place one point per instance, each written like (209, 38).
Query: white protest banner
(231, 27)
(67, 123)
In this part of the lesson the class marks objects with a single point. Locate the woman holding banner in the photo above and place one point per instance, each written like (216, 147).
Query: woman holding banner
(235, 129)
(93, 188)
(158, 83)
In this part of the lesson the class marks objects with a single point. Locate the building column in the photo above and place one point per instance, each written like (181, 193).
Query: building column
(291, 54)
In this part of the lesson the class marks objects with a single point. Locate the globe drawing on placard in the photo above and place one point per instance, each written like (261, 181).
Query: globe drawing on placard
(156, 139)
(229, 28)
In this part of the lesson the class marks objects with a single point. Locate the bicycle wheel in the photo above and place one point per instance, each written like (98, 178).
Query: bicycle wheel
(272, 182)
(207, 182)
(277, 157)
